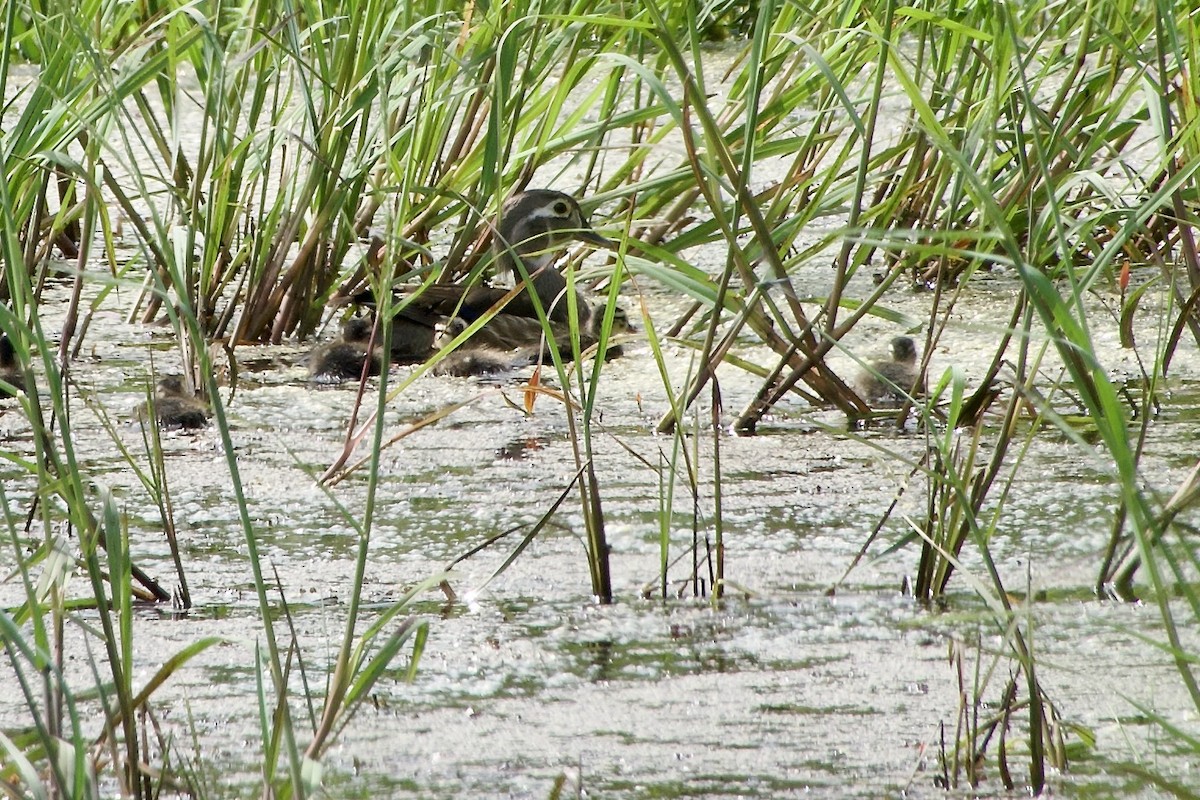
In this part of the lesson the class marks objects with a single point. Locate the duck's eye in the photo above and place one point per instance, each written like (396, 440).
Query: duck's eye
(561, 209)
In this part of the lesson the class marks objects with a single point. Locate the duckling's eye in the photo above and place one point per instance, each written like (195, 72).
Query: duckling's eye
(561, 209)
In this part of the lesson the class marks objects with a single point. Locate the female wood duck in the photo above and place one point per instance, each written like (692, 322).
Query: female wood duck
(343, 359)
(887, 384)
(10, 369)
(533, 228)
(175, 407)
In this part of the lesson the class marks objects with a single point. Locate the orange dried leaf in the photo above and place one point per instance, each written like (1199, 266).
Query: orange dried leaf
(531, 392)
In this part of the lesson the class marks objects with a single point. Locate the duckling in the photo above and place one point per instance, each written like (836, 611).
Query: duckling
(477, 362)
(886, 384)
(533, 228)
(10, 369)
(174, 407)
(590, 336)
(509, 332)
(514, 342)
(343, 359)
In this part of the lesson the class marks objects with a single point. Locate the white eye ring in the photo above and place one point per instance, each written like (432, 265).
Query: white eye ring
(561, 209)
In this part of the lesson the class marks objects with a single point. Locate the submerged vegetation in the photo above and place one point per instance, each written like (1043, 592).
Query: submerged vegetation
(351, 147)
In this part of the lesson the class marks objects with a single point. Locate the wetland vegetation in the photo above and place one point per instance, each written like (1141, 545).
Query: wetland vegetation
(416, 585)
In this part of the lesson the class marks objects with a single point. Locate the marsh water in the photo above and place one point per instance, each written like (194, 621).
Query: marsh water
(781, 690)
(784, 689)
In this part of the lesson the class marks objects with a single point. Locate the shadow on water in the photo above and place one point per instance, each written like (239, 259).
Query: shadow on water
(520, 448)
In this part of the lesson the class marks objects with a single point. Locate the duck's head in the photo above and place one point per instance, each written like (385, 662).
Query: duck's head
(448, 330)
(171, 386)
(357, 329)
(904, 350)
(8, 353)
(535, 224)
(620, 323)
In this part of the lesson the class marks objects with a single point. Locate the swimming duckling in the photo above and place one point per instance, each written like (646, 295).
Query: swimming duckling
(174, 407)
(343, 359)
(10, 369)
(886, 384)
(510, 332)
(514, 342)
(484, 361)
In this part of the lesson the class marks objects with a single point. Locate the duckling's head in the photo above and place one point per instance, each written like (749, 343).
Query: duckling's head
(8, 353)
(170, 386)
(620, 324)
(448, 330)
(535, 224)
(904, 350)
(357, 329)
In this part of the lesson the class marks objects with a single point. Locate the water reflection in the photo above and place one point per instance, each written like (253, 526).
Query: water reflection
(521, 448)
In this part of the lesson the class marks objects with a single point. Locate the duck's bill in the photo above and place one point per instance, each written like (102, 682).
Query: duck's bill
(591, 237)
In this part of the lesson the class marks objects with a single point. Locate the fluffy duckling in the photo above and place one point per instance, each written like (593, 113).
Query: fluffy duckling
(506, 332)
(10, 369)
(511, 342)
(886, 384)
(174, 407)
(343, 359)
(478, 362)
